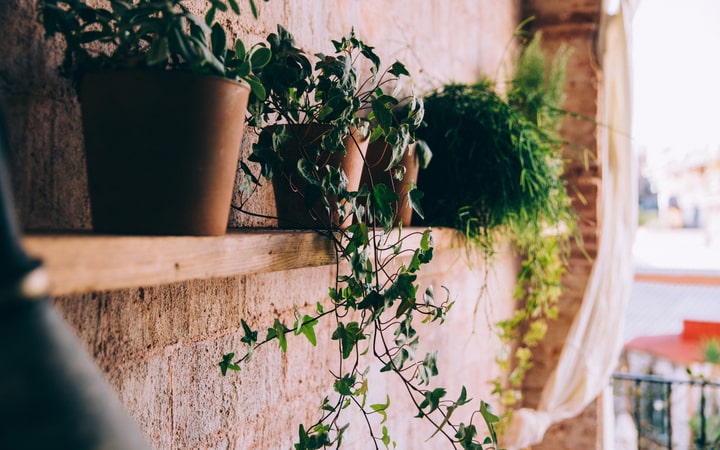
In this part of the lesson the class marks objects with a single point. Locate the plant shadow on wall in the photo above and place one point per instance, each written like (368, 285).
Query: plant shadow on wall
(497, 174)
(163, 95)
(313, 119)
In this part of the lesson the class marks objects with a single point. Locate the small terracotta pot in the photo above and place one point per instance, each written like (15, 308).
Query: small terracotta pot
(162, 150)
(293, 210)
(379, 155)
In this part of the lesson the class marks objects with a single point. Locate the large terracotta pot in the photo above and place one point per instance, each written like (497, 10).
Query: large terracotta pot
(162, 150)
(379, 155)
(293, 209)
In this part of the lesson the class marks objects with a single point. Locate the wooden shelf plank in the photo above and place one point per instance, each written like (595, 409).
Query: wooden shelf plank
(79, 263)
(86, 262)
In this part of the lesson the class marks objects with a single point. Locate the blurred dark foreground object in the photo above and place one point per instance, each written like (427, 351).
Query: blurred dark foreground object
(52, 396)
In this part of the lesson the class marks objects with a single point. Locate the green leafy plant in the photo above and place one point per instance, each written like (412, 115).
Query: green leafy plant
(497, 171)
(150, 34)
(330, 93)
(375, 312)
(376, 308)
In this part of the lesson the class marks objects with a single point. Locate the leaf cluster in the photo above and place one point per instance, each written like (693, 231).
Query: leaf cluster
(329, 90)
(491, 168)
(150, 34)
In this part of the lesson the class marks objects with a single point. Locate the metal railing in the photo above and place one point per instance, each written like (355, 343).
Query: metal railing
(669, 413)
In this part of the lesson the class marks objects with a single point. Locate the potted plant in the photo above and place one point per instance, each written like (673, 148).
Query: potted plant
(163, 99)
(316, 122)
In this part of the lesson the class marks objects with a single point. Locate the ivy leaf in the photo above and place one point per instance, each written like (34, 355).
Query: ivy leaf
(382, 109)
(432, 401)
(414, 265)
(376, 133)
(398, 69)
(373, 300)
(358, 237)
(381, 408)
(384, 200)
(414, 197)
(326, 406)
(307, 171)
(335, 295)
(343, 386)
(490, 420)
(463, 400)
(348, 336)
(306, 327)
(251, 336)
(385, 437)
(428, 369)
(426, 240)
(227, 363)
(424, 153)
(404, 289)
(248, 173)
(367, 51)
(278, 332)
(466, 435)
(318, 438)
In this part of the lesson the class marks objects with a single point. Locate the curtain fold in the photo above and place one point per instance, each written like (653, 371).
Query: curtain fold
(594, 341)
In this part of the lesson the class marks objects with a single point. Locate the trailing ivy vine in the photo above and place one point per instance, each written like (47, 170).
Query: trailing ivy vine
(376, 307)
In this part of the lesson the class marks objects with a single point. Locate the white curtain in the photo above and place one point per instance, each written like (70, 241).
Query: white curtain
(594, 342)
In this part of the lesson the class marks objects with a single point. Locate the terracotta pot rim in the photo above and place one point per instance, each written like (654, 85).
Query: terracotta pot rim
(166, 73)
(320, 126)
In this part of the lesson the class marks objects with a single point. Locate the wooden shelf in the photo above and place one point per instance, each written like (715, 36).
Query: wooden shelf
(88, 262)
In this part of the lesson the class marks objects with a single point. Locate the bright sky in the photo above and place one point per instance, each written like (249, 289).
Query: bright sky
(676, 66)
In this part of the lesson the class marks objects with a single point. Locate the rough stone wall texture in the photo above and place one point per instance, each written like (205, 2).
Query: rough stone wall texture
(574, 23)
(159, 345)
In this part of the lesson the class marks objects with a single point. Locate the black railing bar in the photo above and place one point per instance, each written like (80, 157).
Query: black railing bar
(703, 435)
(668, 393)
(638, 422)
(658, 379)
